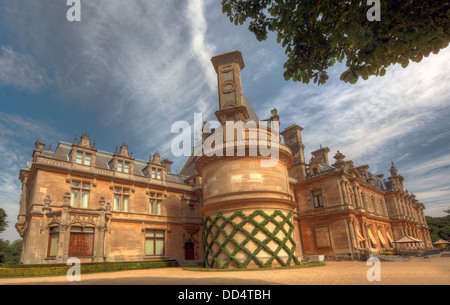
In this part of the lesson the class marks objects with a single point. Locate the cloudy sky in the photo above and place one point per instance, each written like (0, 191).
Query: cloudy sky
(129, 69)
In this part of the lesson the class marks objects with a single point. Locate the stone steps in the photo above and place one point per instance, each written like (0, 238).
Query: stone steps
(190, 263)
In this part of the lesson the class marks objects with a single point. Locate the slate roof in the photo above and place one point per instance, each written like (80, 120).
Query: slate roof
(103, 161)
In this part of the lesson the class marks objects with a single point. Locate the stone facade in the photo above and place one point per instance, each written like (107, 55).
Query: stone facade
(223, 210)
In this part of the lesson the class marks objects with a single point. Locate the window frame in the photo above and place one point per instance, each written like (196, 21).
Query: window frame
(83, 158)
(123, 166)
(52, 231)
(155, 204)
(82, 232)
(81, 189)
(122, 195)
(320, 204)
(155, 239)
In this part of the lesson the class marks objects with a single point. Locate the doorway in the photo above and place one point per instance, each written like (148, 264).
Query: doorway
(189, 253)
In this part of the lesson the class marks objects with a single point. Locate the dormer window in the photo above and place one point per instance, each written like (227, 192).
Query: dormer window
(158, 174)
(83, 158)
(123, 166)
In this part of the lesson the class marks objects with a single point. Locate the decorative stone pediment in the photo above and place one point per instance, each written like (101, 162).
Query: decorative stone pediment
(84, 220)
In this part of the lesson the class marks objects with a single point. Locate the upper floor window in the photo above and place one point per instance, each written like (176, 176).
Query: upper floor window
(155, 204)
(123, 166)
(83, 158)
(121, 199)
(80, 194)
(156, 173)
(317, 199)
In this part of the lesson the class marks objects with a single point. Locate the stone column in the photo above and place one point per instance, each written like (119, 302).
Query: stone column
(352, 232)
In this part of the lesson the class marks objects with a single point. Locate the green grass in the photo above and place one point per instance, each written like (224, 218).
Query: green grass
(305, 265)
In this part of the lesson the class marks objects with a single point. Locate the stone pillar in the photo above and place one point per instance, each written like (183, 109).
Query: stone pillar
(350, 224)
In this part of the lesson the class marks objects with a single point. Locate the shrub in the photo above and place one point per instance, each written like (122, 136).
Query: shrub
(59, 269)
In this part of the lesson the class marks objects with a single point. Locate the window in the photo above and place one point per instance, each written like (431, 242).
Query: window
(81, 242)
(83, 158)
(154, 243)
(80, 194)
(87, 159)
(53, 242)
(155, 204)
(121, 199)
(317, 199)
(158, 175)
(123, 166)
(79, 158)
(153, 173)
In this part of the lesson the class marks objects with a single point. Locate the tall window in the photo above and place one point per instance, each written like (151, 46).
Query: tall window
(83, 158)
(123, 166)
(121, 199)
(317, 199)
(53, 242)
(154, 243)
(156, 173)
(81, 242)
(155, 204)
(80, 194)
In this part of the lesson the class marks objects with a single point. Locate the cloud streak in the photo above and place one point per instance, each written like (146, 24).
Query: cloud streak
(21, 70)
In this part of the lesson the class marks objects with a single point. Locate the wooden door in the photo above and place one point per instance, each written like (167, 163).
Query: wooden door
(189, 253)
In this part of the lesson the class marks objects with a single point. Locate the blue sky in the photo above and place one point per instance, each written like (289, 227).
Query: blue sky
(129, 69)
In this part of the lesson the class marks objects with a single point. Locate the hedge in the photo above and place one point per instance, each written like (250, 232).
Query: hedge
(59, 269)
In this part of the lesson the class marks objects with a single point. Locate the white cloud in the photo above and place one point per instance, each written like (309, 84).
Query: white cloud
(21, 70)
(17, 135)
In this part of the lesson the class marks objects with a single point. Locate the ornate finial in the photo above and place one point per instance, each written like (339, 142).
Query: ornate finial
(76, 140)
(47, 200)
(393, 169)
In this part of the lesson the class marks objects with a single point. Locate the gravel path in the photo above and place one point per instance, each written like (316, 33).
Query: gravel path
(416, 271)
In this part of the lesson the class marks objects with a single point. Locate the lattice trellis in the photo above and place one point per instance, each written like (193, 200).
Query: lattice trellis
(218, 225)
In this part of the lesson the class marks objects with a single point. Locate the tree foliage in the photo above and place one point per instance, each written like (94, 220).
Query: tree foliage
(439, 227)
(3, 222)
(318, 33)
(10, 252)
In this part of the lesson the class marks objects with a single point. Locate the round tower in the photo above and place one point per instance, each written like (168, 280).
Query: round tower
(247, 206)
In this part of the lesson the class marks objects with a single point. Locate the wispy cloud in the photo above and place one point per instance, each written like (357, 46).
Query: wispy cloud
(21, 70)
(17, 133)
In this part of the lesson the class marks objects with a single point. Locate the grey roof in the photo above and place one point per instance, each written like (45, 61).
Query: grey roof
(103, 161)
(326, 167)
(188, 168)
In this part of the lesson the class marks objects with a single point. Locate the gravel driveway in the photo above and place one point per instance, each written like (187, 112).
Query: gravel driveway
(416, 271)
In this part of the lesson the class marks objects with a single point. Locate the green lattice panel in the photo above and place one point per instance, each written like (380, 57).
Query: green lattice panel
(220, 222)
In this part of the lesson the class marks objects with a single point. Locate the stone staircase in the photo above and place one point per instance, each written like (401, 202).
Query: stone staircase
(190, 263)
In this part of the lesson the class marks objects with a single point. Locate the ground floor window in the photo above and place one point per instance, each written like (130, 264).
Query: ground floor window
(53, 242)
(81, 242)
(154, 243)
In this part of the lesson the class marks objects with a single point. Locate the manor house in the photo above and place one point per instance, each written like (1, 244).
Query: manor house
(222, 211)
